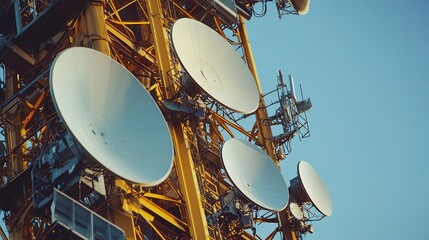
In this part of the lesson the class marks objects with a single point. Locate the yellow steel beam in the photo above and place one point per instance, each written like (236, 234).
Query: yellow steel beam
(118, 16)
(265, 133)
(222, 121)
(219, 29)
(130, 22)
(95, 26)
(246, 236)
(33, 109)
(215, 133)
(161, 44)
(266, 220)
(147, 216)
(116, 12)
(130, 43)
(189, 185)
(184, 162)
(223, 125)
(285, 225)
(144, 203)
(182, 10)
(172, 186)
(160, 197)
(156, 230)
(121, 217)
(30, 59)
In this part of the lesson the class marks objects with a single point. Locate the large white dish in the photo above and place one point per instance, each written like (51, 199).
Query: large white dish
(214, 65)
(255, 174)
(315, 188)
(111, 115)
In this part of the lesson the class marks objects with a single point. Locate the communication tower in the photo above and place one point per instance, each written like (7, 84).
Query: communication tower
(145, 119)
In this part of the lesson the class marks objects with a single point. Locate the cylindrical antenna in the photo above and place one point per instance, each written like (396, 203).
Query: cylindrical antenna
(292, 88)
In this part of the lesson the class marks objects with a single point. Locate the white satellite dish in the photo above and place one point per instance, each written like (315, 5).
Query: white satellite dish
(308, 186)
(111, 115)
(214, 66)
(296, 211)
(254, 174)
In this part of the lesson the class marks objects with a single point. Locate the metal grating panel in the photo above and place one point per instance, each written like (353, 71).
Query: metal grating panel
(81, 220)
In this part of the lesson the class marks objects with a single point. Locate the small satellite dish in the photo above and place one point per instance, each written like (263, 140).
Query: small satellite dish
(254, 174)
(111, 115)
(214, 66)
(308, 186)
(296, 211)
(301, 6)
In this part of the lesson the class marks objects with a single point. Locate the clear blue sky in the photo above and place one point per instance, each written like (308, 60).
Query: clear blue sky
(365, 65)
